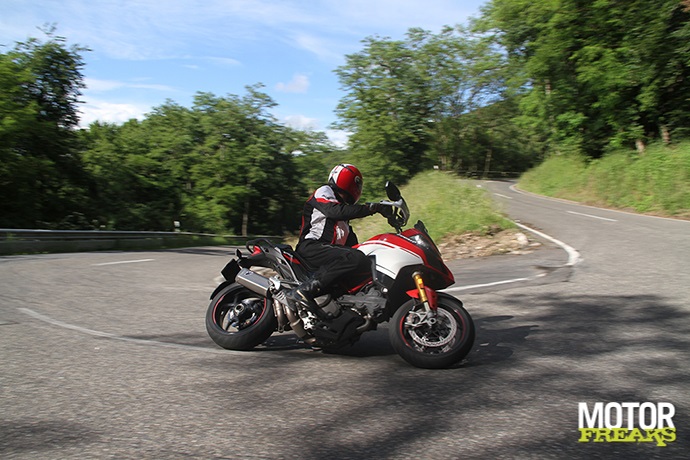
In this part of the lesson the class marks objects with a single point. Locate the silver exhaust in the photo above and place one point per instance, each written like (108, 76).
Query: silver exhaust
(254, 282)
(261, 285)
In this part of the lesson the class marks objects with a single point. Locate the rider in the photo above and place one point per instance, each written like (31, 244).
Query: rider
(326, 238)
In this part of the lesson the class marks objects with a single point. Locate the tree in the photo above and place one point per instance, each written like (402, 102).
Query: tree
(314, 155)
(424, 101)
(388, 108)
(597, 74)
(243, 176)
(41, 180)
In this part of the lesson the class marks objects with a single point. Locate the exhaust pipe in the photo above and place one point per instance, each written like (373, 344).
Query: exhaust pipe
(297, 326)
(254, 282)
(261, 285)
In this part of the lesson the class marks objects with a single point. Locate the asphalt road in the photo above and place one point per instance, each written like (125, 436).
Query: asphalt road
(105, 355)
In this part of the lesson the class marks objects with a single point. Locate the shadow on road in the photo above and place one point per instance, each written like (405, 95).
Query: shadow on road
(517, 394)
(35, 436)
(495, 343)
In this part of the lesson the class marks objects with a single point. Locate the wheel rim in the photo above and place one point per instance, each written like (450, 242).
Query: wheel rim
(439, 336)
(234, 313)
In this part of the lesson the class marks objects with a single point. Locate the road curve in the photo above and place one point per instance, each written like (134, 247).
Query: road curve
(104, 355)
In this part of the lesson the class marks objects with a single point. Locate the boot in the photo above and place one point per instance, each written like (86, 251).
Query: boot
(304, 294)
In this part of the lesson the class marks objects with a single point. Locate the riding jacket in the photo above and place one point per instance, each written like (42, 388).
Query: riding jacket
(326, 219)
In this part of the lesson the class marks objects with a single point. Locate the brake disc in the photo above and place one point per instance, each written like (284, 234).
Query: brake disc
(429, 333)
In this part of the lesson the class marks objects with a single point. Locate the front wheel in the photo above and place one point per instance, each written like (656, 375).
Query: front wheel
(432, 342)
(239, 319)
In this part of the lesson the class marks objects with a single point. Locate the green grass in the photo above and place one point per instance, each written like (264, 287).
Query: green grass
(445, 205)
(657, 182)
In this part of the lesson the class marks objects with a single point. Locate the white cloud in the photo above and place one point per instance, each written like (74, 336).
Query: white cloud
(298, 84)
(224, 61)
(326, 49)
(97, 110)
(100, 86)
(231, 43)
(154, 87)
(386, 16)
(338, 137)
(301, 122)
(146, 29)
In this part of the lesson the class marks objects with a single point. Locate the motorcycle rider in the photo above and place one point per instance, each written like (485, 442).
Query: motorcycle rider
(326, 237)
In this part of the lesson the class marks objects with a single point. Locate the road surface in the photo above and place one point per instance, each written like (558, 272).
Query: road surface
(105, 355)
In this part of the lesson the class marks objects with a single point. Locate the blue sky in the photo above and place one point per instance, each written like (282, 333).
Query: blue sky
(147, 51)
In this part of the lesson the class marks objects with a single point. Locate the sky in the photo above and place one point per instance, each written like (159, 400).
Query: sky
(145, 52)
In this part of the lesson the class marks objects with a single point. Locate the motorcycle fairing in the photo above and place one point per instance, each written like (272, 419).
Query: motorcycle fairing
(391, 255)
(411, 248)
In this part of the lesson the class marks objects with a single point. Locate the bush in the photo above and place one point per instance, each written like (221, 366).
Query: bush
(657, 182)
(444, 204)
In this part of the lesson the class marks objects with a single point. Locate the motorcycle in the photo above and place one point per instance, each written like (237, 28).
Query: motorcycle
(429, 329)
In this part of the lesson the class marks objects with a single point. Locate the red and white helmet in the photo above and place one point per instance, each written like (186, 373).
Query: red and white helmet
(347, 180)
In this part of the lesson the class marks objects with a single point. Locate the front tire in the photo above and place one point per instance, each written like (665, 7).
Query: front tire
(239, 319)
(432, 346)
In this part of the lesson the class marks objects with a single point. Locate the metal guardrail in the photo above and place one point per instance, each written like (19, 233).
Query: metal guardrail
(26, 241)
(24, 234)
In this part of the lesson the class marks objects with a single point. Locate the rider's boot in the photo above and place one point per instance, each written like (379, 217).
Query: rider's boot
(304, 295)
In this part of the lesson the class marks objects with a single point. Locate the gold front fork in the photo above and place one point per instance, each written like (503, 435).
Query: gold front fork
(419, 282)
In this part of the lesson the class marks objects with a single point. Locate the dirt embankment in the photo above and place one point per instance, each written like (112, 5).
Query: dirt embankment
(469, 245)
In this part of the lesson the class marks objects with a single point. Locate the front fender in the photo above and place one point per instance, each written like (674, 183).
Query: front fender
(431, 296)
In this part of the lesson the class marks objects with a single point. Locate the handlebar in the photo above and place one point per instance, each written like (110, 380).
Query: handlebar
(400, 215)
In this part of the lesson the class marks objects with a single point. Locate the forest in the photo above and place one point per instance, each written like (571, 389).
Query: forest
(524, 82)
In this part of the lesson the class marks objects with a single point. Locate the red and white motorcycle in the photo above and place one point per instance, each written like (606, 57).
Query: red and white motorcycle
(429, 329)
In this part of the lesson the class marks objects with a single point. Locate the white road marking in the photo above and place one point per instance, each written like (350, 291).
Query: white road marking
(108, 335)
(123, 262)
(573, 258)
(495, 283)
(593, 217)
(573, 255)
(503, 196)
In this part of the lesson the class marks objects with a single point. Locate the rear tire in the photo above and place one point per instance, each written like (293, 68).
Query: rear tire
(435, 346)
(239, 319)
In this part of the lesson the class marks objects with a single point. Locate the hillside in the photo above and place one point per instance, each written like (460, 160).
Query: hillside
(656, 182)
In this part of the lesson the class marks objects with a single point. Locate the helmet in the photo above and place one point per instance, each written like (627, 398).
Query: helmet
(346, 179)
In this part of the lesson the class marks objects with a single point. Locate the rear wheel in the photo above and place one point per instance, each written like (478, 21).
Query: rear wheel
(432, 342)
(239, 319)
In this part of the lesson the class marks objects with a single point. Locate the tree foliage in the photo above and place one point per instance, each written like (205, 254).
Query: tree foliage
(223, 165)
(427, 100)
(41, 179)
(525, 80)
(598, 74)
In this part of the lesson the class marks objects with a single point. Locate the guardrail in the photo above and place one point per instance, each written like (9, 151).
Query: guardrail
(23, 241)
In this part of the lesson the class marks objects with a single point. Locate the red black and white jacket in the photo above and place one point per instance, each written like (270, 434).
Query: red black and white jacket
(325, 218)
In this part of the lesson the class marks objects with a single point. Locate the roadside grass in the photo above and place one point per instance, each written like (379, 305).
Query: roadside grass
(445, 205)
(657, 182)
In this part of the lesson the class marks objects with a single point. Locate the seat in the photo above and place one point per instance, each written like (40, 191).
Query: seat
(294, 259)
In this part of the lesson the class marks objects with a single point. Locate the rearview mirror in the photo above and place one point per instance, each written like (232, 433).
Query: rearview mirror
(392, 191)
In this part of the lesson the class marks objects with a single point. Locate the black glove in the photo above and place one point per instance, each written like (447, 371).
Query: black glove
(384, 210)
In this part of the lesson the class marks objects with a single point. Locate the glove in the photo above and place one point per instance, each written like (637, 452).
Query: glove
(384, 210)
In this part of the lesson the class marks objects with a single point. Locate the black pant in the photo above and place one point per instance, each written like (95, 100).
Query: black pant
(335, 263)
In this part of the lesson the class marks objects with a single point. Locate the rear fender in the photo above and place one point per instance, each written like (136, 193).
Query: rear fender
(229, 272)
(220, 287)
